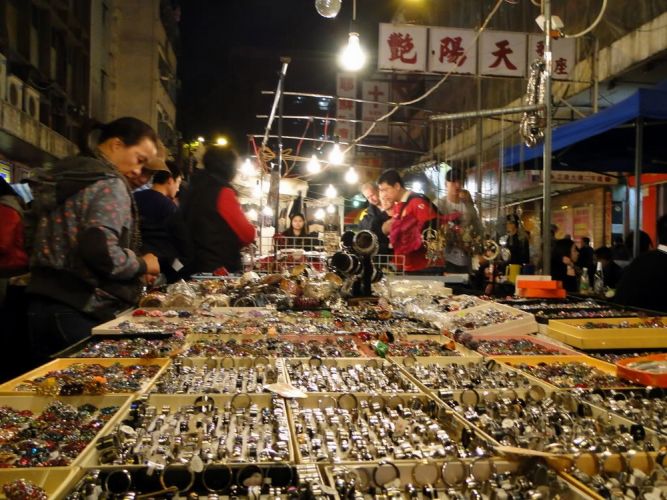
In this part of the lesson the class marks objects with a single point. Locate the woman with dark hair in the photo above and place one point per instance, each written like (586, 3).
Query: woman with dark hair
(85, 264)
(297, 236)
(517, 240)
(565, 255)
(217, 225)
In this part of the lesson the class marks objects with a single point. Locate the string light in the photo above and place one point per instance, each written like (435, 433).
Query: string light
(336, 156)
(313, 166)
(351, 176)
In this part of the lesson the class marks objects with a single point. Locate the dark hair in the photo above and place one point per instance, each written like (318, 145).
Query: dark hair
(162, 177)
(453, 175)
(128, 129)
(297, 215)
(661, 230)
(6, 189)
(563, 248)
(603, 253)
(645, 242)
(391, 177)
(586, 240)
(221, 161)
(513, 218)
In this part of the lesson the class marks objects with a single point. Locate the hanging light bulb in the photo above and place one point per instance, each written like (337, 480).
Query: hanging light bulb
(336, 156)
(328, 8)
(313, 165)
(268, 211)
(251, 214)
(331, 191)
(319, 214)
(352, 57)
(351, 176)
(331, 209)
(247, 168)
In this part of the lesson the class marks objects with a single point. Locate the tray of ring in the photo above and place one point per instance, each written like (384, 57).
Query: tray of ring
(550, 421)
(161, 430)
(75, 376)
(514, 321)
(372, 375)
(427, 345)
(612, 333)
(230, 480)
(283, 346)
(568, 372)
(54, 481)
(163, 320)
(482, 478)
(436, 373)
(72, 423)
(224, 375)
(354, 427)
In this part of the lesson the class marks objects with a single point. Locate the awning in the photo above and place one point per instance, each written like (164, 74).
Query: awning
(605, 141)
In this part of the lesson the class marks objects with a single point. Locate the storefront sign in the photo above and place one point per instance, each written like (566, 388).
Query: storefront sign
(346, 86)
(375, 91)
(562, 219)
(452, 49)
(402, 47)
(574, 177)
(563, 53)
(502, 53)
(582, 221)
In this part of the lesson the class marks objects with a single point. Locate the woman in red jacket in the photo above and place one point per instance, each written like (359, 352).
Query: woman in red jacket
(13, 257)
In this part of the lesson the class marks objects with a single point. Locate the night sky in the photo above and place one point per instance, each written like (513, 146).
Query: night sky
(231, 51)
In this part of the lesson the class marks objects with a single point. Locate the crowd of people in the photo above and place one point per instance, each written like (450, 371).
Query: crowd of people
(99, 231)
(96, 235)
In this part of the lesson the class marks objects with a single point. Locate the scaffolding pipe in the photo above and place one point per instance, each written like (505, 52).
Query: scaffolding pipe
(329, 141)
(485, 113)
(639, 154)
(363, 101)
(546, 177)
(276, 100)
(346, 120)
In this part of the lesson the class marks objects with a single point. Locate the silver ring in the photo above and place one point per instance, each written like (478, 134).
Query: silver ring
(218, 466)
(125, 473)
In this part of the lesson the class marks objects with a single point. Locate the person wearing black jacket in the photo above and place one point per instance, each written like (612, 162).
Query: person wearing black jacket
(644, 280)
(375, 217)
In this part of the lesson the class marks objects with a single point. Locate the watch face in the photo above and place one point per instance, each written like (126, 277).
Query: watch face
(425, 472)
(240, 401)
(348, 402)
(453, 472)
(385, 473)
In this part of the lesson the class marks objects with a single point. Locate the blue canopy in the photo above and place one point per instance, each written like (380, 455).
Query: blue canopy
(603, 141)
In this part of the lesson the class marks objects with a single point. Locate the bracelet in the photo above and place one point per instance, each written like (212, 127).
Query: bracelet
(124, 475)
(163, 478)
(218, 472)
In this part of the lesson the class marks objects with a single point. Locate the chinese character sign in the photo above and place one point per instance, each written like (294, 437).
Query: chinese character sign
(563, 54)
(502, 53)
(402, 47)
(452, 49)
(375, 91)
(346, 86)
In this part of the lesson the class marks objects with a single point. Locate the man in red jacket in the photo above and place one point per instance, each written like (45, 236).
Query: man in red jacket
(413, 213)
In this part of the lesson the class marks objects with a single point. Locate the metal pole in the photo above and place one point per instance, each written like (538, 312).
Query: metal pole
(596, 82)
(546, 186)
(485, 113)
(279, 96)
(480, 146)
(639, 154)
(276, 99)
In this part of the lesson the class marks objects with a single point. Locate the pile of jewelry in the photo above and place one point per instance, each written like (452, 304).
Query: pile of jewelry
(83, 378)
(339, 347)
(51, 439)
(573, 375)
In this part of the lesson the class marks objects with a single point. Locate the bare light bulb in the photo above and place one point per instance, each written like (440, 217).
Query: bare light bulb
(247, 168)
(336, 156)
(352, 57)
(251, 214)
(331, 209)
(328, 8)
(319, 214)
(268, 211)
(351, 176)
(330, 192)
(313, 165)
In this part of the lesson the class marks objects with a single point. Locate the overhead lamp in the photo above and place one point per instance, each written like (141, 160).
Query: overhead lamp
(331, 191)
(268, 211)
(200, 139)
(351, 176)
(352, 57)
(313, 166)
(319, 214)
(336, 156)
(247, 168)
(221, 141)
